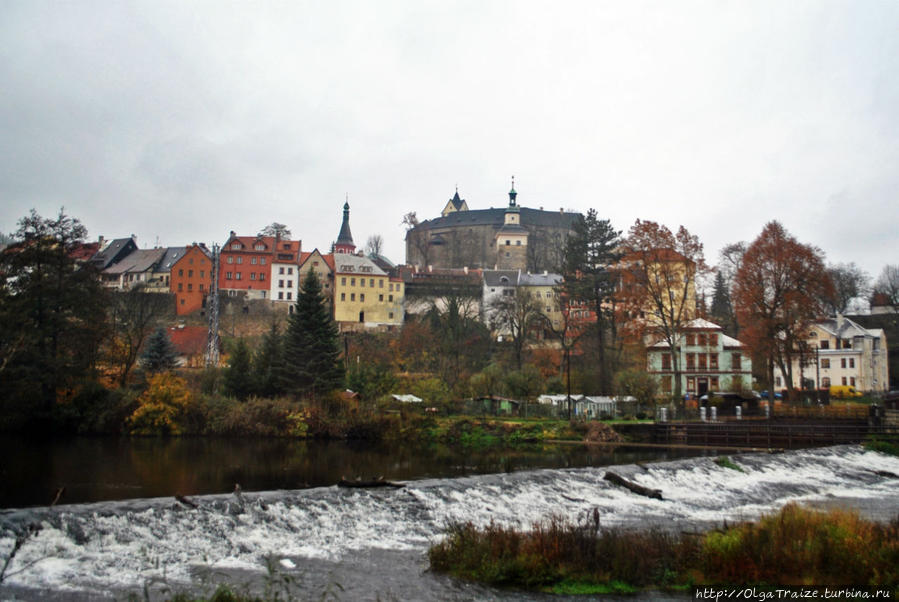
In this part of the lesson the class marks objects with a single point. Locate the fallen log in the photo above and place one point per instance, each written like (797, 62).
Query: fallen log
(378, 482)
(186, 501)
(638, 489)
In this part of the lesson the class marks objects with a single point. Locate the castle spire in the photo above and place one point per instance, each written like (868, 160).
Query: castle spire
(512, 194)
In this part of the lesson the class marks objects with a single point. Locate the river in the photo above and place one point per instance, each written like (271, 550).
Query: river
(326, 542)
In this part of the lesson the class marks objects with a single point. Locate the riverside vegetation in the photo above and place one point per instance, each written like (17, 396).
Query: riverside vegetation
(795, 546)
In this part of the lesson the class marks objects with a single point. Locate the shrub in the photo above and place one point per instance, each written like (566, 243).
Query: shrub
(162, 407)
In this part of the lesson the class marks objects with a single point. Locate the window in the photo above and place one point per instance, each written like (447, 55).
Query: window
(703, 361)
(390, 316)
(825, 363)
(228, 276)
(202, 273)
(371, 282)
(691, 384)
(260, 247)
(713, 383)
(252, 275)
(290, 295)
(852, 381)
(280, 284)
(843, 364)
(201, 287)
(362, 282)
(352, 282)
(825, 382)
(236, 245)
(230, 259)
(343, 281)
(262, 261)
(517, 243)
(847, 344)
(290, 271)
(182, 300)
(380, 297)
(852, 362)
(713, 361)
(237, 275)
(507, 244)
(190, 287)
(362, 297)
(666, 361)
(281, 270)
(290, 284)
(240, 260)
(261, 275)
(701, 339)
(280, 295)
(666, 384)
(390, 298)
(691, 340)
(380, 284)
(343, 296)
(253, 260)
(390, 288)
(844, 381)
(825, 344)
(777, 382)
(181, 272)
(180, 287)
(691, 361)
(713, 339)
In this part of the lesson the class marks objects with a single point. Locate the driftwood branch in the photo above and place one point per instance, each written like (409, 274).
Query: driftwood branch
(187, 502)
(376, 482)
(638, 489)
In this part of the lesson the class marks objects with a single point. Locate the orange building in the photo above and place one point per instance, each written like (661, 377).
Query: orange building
(245, 263)
(191, 279)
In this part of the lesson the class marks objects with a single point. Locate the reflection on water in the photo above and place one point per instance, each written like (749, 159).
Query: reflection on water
(107, 468)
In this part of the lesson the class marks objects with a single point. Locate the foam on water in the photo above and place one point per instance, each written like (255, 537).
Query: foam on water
(98, 547)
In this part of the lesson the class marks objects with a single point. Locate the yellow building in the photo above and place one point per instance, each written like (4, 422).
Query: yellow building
(365, 296)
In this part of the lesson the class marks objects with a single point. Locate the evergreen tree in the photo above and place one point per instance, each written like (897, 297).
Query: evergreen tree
(268, 363)
(238, 378)
(311, 346)
(590, 253)
(160, 354)
(721, 311)
(52, 316)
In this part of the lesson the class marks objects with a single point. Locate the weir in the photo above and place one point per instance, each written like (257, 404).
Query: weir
(371, 543)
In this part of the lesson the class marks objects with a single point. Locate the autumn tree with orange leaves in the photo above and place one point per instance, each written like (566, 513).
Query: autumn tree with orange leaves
(659, 272)
(778, 293)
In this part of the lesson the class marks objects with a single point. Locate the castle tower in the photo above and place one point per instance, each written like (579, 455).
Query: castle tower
(511, 240)
(345, 242)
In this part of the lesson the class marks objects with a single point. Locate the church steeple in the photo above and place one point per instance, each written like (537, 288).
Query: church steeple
(512, 194)
(345, 242)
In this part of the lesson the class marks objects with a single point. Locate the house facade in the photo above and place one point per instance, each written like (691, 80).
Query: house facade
(365, 296)
(135, 269)
(708, 359)
(839, 351)
(161, 278)
(245, 265)
(191, 279)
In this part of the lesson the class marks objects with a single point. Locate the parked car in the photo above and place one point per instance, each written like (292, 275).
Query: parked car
(764, 395)
(843, 391)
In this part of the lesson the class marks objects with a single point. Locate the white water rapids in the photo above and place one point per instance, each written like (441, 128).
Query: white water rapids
(356, 544)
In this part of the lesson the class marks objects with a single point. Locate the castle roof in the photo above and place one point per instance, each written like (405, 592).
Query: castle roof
(496, 217)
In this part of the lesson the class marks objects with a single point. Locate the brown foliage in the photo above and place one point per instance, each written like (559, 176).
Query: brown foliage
(777, 294)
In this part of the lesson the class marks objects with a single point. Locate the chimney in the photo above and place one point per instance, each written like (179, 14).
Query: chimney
(100, 242)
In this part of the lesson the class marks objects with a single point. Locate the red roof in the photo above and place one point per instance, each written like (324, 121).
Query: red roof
(188, 340)
(83, 251)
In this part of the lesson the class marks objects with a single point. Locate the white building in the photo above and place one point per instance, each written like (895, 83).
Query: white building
(841, 352)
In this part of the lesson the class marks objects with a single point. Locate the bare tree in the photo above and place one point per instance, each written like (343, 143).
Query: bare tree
(849, 282)
(133, 316)
(888, 283)
(374, 245)
(516, 315)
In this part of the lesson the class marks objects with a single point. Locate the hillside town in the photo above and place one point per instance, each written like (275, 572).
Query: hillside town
(556, 292)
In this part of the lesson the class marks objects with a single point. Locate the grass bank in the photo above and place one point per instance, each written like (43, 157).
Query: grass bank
(795, 546)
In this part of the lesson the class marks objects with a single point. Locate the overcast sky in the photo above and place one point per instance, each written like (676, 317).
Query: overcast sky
(180, 121)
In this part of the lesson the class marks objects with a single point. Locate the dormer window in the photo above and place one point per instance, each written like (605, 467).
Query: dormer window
(236, 245)
(259, 247)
